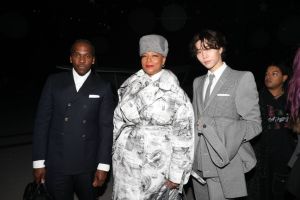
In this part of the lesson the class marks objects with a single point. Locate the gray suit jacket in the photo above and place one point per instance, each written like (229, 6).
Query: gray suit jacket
(224, 127)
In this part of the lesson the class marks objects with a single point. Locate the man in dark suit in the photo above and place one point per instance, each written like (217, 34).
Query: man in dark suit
(73, 129)
(227, 116)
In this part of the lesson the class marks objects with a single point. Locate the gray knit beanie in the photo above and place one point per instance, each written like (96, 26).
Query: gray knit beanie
(154, 43)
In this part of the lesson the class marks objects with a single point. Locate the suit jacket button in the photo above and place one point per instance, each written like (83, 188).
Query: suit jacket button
(84, 121)
(83, 136)
(69, 104)
(66, 119)
(204, 126)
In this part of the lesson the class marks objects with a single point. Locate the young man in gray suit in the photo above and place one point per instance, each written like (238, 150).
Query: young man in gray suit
(227, 116)
(74, 128)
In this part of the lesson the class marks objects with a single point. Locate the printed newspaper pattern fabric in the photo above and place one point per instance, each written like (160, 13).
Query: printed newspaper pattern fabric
(153, 136)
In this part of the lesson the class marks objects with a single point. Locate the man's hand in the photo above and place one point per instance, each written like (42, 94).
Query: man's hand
(39, 175)
(171, 185)
(100, 177)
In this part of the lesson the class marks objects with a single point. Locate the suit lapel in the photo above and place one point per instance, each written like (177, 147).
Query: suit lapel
(200, 94)
(69, 89)
(87, 86)
(220, 83)
(83, 91)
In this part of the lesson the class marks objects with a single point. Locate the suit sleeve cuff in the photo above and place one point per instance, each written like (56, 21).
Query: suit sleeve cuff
(38, 164)
(103, 167)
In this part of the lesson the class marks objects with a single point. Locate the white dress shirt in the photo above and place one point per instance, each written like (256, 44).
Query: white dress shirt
(78, 80)
(217, 74)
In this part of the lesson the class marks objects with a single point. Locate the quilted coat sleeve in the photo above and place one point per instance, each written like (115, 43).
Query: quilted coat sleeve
(182, 141)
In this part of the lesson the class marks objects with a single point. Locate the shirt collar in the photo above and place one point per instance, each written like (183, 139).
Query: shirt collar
(78, 78)
(218, 72)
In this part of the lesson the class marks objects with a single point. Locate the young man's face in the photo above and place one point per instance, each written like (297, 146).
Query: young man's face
(209, 58)
(82, 58)
(274, 79)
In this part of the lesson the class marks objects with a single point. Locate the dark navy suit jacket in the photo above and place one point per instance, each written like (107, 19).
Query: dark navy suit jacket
(73, 130)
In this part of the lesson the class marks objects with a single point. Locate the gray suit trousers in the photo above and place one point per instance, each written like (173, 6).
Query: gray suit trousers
(212, 190)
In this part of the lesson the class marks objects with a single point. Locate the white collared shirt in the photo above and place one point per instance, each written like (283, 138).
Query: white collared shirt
(78, 80)
(217, 74)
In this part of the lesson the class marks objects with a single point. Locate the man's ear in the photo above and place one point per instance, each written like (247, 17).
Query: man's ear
(285, 77)
(70, 59)
(221, 50)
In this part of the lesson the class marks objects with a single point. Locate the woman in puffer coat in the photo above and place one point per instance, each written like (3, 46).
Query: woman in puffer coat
(153, 129)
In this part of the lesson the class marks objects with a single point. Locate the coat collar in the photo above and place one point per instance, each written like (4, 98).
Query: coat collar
(140, 82)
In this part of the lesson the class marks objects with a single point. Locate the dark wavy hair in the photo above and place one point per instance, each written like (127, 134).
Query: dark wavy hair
(293, 97)
(213, 40)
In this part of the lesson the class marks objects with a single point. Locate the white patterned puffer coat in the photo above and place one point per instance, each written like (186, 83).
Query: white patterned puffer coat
(153, 136)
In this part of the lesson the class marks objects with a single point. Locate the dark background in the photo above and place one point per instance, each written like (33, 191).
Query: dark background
(35, 38)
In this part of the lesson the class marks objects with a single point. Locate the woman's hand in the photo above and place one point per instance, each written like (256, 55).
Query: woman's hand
(171, 185)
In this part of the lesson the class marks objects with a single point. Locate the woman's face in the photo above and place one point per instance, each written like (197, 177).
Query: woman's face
(152, 62)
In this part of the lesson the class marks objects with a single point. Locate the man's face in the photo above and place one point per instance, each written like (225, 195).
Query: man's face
(209, 58)
(82, 58)
(274, 79)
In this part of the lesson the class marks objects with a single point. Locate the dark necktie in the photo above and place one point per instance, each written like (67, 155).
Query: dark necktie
(207, 93)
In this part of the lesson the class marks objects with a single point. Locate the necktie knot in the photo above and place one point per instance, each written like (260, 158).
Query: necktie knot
(211, 77)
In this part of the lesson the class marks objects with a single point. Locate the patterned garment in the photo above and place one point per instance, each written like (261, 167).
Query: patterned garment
(153, 136)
